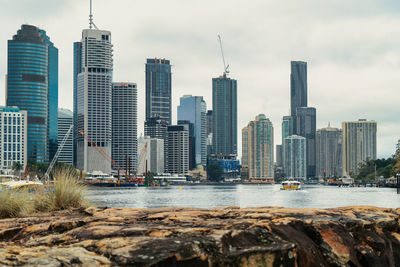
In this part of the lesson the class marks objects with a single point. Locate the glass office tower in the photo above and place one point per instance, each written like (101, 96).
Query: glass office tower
(27, 86)
(224, 115)
(158, 89)
(52, 127)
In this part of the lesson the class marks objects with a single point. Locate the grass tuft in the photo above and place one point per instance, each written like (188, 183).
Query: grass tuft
(66, 193)
(15, 204)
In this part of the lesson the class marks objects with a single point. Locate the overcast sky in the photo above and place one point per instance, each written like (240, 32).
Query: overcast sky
(352, 49)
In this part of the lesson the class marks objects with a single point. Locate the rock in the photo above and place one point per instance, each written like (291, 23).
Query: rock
(230, 236)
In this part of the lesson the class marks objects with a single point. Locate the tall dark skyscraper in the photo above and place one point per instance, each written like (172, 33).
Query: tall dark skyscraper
(298, 86)
(306, 127)
(158, 89)
(32, 85)
(224, 115)
(77, 69)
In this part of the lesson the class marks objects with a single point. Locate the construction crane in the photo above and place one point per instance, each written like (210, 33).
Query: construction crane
(142, 155)
(104, 154)
(60, 148)
(226, 67)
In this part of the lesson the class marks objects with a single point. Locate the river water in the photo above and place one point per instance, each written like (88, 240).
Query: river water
(208, 196)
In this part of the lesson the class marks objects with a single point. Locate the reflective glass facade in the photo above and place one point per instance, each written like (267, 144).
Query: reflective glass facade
(224, 115)
(158, 89)
(298, 86)
(52, 126)
(27, 86)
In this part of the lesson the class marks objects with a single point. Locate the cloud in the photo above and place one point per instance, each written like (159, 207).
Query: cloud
(351, 48)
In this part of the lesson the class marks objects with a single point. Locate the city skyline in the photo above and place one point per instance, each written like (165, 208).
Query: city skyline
(361, 81)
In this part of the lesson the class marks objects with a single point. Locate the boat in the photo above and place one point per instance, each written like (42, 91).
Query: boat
(22, 185)
(291, 185)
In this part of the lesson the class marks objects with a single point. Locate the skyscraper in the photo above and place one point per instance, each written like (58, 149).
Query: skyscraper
(93, 99)
(295, 157)
(224, 115)
(192, 142)
(77, 69)
(329, 152)
(194, 110)
(259, 149)
(158, 89)
(279, 159)
(154, 155)
(306, 127)
(287, 130)
(65, 120)
(32, 85)
(52, 81)
(298, 86)
(13, 137)
(155, 127)
(124, 124)
(177, 150)
(359, 144)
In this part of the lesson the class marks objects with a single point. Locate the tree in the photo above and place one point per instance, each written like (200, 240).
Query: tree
(396, 167)
(17, 167)
(214, 172)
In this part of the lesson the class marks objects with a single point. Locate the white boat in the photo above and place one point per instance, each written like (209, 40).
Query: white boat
(290, 185)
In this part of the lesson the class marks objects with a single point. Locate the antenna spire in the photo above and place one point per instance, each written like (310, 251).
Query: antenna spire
(91, 23)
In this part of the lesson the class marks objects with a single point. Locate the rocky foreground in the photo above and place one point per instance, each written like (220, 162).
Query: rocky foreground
(228, 236)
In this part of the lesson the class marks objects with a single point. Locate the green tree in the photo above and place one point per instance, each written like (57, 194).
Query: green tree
(396, 167)
(214, 172)
(17, 167)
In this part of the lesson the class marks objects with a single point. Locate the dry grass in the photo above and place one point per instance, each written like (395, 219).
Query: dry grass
(15, 204)
(65, 193)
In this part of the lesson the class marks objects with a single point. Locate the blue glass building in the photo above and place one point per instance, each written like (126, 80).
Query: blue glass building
(52, 126)
(158, 89)
(194, 110)
(27, 86)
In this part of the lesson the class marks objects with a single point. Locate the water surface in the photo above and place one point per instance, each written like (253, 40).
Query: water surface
(208, 196)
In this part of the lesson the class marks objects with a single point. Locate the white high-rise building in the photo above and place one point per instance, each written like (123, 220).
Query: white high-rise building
(65, 120)
(93, 97)
(359, 144)
(13, 137)
(124, 124)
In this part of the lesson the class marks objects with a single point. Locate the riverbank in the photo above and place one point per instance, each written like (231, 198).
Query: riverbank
(228, 236)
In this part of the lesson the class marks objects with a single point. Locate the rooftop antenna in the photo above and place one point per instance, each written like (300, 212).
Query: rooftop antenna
(91, 23)
(226, 67)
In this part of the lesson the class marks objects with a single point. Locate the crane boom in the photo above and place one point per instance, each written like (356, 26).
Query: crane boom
(104, 154)
(60, 148)
(142, 154)
(226, 67)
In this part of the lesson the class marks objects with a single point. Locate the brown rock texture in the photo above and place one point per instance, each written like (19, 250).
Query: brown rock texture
(226, 236)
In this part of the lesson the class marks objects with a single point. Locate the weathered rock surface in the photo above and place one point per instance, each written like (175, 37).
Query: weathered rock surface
(227, 236)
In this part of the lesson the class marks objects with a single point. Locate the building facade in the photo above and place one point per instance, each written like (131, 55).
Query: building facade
(155, 127)
(306, 126)
(279, 156)
(154, 155)
(32, 85)
(194, 110)
(93, 100)
(359, 144)
(65, 120)
(260, 149)
(124, 124)
(295, 157)
(329, 153)
(177, 150)
(298, 86)
(158, 89)
(224, 115)
(13, 135)
(52, 84)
